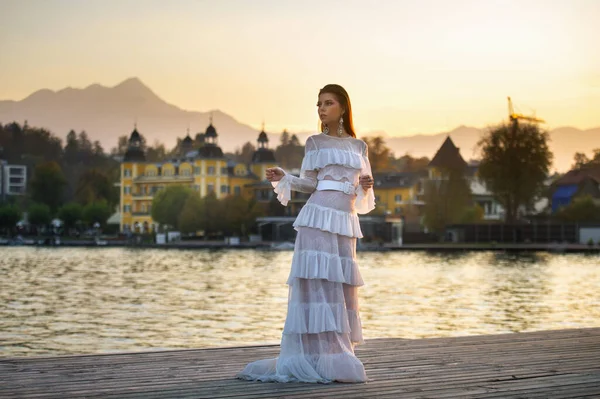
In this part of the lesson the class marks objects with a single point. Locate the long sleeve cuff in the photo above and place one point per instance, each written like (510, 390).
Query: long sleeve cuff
(365, 201)
(283, 189)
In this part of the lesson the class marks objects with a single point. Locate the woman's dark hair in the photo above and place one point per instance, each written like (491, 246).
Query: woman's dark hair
(342, 96)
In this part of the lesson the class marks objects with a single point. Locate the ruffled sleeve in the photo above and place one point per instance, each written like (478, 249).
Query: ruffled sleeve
(306, 183)
(365, 200)
(283, 189)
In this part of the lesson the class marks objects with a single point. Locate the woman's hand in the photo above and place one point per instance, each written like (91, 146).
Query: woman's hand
(275, 174)
(366, 182)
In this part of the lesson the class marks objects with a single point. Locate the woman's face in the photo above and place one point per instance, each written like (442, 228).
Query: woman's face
(329, 108)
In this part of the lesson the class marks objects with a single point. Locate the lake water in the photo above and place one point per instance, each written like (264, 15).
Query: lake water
(70, 301)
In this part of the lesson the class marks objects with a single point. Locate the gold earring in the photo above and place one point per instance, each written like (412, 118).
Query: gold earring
(340, 129)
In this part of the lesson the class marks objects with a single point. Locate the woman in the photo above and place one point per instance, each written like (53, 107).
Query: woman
(323, 323)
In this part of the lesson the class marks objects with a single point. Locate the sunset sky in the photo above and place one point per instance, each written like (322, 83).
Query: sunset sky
(409, 66)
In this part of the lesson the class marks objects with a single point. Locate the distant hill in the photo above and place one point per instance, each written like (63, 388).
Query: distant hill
(106, 113)
(564, 143)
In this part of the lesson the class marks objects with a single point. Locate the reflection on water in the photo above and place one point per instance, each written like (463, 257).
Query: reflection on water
(62, 301)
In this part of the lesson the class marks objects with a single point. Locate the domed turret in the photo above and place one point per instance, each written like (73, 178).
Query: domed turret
(135, 152)
(187, 145)
(263, 153)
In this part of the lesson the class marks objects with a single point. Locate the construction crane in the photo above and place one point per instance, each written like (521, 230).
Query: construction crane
(514, 117)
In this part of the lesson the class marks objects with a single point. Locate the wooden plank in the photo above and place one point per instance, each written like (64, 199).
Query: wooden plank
(477, 366)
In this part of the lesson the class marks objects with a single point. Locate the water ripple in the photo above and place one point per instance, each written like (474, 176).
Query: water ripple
(67, 301)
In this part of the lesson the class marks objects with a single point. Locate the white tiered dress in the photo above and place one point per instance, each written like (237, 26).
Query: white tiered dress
(323, 322)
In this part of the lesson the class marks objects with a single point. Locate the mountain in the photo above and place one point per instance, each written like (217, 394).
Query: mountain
(106, 113)
(564, 143)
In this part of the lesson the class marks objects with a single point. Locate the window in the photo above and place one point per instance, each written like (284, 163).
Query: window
(211, 170)
(397, 210)
(210, 188)
(237, 190)
(263, 194)
(186, 172)
(398, 198)
(377, 198)
(168, 172)
(151, 172)
(17, 171)
(127, 172)
(126, 208)
(224, 171)
(224, 189)
(196, 187)
(16, 180)
(196, 170)
(127, 190)
(143, 208)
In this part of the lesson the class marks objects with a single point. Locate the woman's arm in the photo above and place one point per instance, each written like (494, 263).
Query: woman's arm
(365, 199)
(283, 183)
(306, 183)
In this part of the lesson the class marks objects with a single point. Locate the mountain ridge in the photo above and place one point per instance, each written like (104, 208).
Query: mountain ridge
(106, 113)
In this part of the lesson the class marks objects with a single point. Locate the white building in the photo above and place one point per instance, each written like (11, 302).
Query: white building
(13, 179)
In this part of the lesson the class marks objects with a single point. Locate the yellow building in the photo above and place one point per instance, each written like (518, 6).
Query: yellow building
(204, 169)
(398, 194)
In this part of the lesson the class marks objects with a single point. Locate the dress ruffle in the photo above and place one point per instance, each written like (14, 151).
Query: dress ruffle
(314, 318)
(323, 368)
(329, 219)
(317, 159)
(311, 264)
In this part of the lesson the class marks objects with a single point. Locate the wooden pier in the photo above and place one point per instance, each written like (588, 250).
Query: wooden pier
(545, 364)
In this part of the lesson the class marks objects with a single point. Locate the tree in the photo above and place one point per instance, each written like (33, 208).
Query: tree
(156, 152)
(9, 217)
(285, 138)
(122, 144)
(94, 185)
(47, 185)
(190, 218)
(168, 203)
(70, 214)
(515, 162)
(71, 152)
(446, 200)
(582, 209)
(290, 155)
(39, 215)
(408, 164)
(96, 212)
(245, 154)
(580, 160)
(240, 216)
(379, 154)
(211, 215)
(98, 150)
(294, 140)
(472, 214)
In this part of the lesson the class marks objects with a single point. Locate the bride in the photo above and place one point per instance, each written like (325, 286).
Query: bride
(323, 323)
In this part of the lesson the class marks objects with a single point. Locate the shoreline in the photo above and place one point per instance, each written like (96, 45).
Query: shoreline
(288, 246)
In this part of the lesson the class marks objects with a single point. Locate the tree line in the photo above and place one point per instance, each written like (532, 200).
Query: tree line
(75, 181)
(71, 182)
